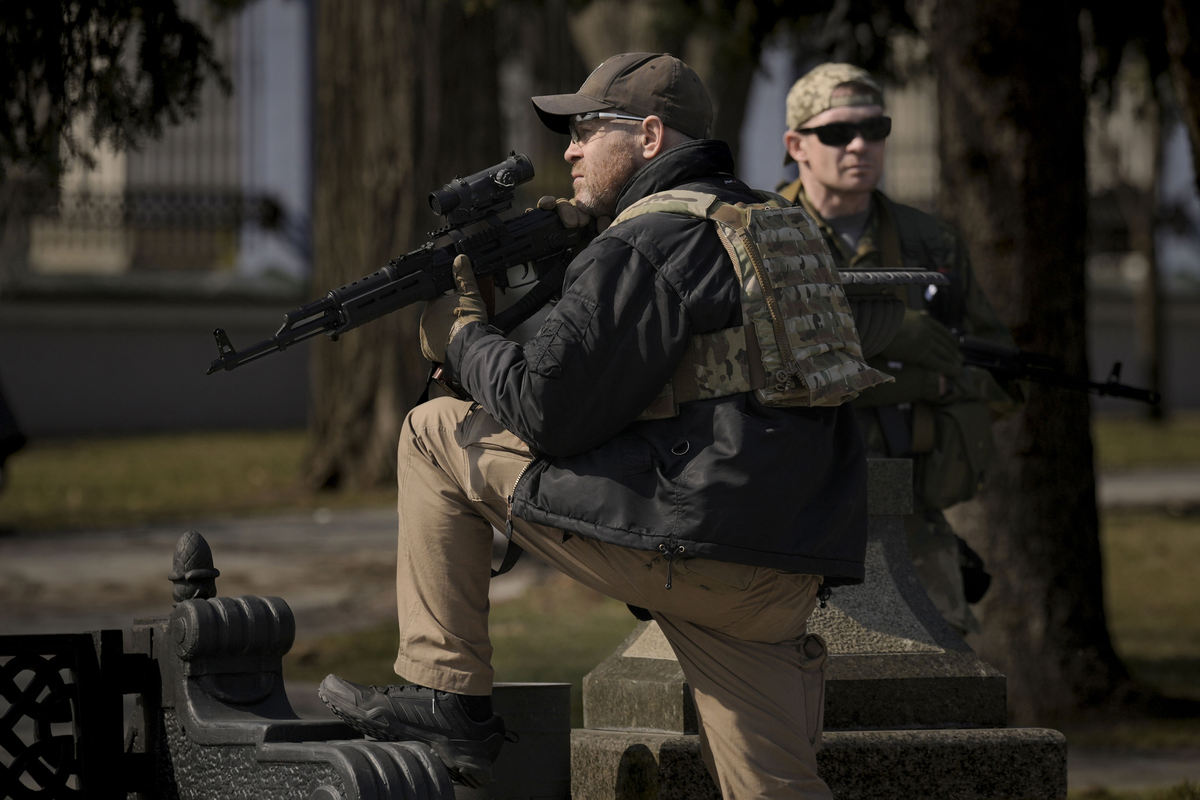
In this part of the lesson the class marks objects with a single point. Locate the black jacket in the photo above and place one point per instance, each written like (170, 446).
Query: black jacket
(728, 479)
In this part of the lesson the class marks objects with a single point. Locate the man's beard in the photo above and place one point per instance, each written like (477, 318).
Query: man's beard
(604, 176)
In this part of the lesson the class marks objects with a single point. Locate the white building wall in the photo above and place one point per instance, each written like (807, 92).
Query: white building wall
(1178, 245)
(760, 159)
(275, 102)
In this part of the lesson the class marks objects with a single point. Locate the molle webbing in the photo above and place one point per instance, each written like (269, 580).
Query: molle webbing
(798, 346)
(715, 364)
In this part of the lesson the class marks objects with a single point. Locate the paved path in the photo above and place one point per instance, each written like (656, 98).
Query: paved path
(335, 569)
(1115, 769)
(1150, 487)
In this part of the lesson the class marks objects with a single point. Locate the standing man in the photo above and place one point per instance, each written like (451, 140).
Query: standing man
(703, 514)
(938, 412)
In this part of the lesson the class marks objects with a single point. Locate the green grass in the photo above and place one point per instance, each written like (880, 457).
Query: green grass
(1153, 604)
(106, 482)
(1153, 600)
(1132, 442)
(557, 631)
(109, 482)
(1184, 791)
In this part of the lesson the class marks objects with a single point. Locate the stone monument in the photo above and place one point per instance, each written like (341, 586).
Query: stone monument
(910, 710)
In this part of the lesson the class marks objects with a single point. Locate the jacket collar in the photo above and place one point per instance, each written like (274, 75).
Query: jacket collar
(867, 245)
(690, 161)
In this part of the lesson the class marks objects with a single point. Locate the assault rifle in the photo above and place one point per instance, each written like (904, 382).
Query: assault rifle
(471, 208)
(1008, 363)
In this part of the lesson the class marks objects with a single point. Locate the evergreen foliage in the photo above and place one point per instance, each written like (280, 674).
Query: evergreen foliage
(122, 68)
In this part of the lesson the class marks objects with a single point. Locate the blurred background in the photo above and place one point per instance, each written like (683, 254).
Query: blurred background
(111, 285)
(248, 156)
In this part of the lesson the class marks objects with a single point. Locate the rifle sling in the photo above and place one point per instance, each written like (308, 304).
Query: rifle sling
(904, 432)
(512, 554)
(924, 429)
(897, 435)
(889, 239)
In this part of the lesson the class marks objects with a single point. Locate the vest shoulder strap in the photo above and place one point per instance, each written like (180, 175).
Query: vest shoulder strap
(917, 236)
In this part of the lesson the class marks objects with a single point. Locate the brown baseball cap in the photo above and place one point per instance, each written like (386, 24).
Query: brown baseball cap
(639, 84)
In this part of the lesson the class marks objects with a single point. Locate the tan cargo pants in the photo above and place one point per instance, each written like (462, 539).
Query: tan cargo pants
(738, 631)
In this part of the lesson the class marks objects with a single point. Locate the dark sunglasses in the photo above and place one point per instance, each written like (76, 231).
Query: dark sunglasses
(839, 134)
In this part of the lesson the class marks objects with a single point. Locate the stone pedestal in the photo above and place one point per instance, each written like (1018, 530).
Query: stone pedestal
(910, 710)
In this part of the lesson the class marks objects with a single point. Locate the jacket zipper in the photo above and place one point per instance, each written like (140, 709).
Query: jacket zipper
(516, 483)
(790, 368)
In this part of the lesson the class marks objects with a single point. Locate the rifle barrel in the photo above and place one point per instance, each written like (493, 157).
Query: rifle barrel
(287, 336)
(1012, 363)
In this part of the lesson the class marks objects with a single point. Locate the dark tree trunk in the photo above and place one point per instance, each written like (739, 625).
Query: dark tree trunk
(730, 86)
(1182, 19)
(406, 97)
(1012, 115)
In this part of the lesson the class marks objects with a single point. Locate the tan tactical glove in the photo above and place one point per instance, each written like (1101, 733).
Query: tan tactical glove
(445, 315)
(571, 215)
(925, 342)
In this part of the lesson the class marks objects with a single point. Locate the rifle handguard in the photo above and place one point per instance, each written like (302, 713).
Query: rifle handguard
(877, 310)
(471, 207)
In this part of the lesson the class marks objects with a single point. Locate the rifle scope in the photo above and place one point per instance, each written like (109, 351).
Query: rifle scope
(483, 189)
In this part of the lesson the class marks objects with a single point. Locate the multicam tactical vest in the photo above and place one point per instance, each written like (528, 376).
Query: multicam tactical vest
(798, 346)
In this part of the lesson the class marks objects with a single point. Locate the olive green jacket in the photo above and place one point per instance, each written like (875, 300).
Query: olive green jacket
(901, 237)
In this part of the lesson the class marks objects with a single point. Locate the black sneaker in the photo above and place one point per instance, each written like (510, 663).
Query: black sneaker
(415, 713)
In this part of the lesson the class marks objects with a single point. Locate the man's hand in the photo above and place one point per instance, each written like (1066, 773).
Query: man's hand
(445, 315)
(924, 341)
(571, 215)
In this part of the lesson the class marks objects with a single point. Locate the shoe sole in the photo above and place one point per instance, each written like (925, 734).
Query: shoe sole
(469, 770)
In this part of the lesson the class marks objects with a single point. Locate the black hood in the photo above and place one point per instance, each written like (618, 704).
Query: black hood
(685, 163)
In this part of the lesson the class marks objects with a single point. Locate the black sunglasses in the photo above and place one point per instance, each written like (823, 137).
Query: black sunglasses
(838, 134)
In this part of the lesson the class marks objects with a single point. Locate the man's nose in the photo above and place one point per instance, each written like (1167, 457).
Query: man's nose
(574, 153)
(857, 143)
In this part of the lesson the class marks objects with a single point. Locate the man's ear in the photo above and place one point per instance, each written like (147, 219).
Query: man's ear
(794, 144)
(654, 134)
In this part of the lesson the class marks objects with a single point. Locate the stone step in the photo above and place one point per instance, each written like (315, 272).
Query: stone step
(953, 764)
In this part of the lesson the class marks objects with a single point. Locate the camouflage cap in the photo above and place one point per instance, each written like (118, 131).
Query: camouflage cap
(813, 93)
(642, 84)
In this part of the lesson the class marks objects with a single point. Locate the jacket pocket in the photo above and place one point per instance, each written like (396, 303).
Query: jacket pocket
(538, 354)
(566, 326)
(635, 453)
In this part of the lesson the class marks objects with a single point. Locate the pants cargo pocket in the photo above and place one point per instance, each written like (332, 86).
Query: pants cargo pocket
(492, 456)
(813, 665)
